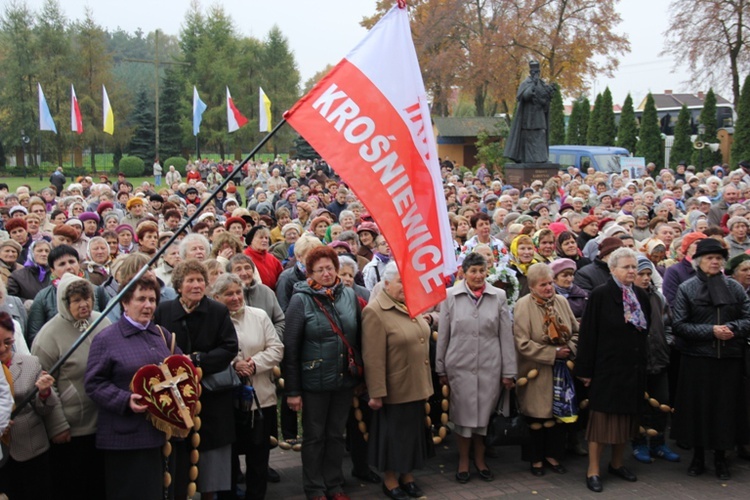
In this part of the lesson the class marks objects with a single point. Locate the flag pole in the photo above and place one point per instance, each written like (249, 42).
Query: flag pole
(116, 300)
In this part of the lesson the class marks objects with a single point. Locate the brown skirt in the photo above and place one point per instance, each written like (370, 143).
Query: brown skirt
(611, 428)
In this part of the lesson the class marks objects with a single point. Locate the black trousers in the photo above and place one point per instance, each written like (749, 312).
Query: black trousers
(355, 440)
(134, 474)
(546, 442)
(288, 421)
(71, 478)
(30, 480)
(253, 441)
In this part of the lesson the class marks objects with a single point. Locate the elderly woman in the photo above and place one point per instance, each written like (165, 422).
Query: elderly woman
(97, 260)
(321, 337)
(738, 268)
(563, 271)
(194, 246)
(148, 237)
(475, 356)
(567, 248)
(711, 320)
(268, 266)
(396, 352)
(170, 258)
(132, 446)
(204, 329)
(75, 306)
(546, 333)
(260, 349)
(35, 275)
(27, 474)
(612, 354)
(9, 253)
(544, 240)
(522, 251)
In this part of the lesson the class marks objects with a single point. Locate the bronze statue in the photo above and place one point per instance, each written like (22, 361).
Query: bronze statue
(528, 140)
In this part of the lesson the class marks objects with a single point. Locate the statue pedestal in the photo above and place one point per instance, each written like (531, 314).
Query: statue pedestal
(520, 175)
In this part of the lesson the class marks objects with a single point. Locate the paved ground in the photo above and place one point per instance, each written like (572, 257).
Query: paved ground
(513, 479)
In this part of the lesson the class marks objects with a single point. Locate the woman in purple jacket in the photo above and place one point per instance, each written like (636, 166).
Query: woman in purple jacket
(132, 446)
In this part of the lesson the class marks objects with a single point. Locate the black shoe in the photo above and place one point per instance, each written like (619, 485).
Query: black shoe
(411, 489)
(536, 471)
(485, 474)
(594, 483)
(697, 467)
(368, 477)
(623, 473)
(463, 477)
(557, 469)
(273, 476)
(396, 493)
(722, 470)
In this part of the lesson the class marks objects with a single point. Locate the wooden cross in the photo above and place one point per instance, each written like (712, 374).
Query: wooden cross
(170, 383)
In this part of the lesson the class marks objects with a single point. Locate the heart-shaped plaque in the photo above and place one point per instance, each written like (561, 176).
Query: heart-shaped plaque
(170, 391)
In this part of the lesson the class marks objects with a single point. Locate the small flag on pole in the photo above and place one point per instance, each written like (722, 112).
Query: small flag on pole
(198, 108)
(108, 117)
(45, 117)
(76, 122)
(264, 112)
(235, 119)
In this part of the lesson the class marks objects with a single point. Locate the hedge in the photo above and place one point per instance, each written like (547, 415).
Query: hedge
(131, 166)
(178, 162)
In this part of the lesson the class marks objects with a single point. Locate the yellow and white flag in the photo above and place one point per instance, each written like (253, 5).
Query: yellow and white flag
(108, 117)
(264, 112)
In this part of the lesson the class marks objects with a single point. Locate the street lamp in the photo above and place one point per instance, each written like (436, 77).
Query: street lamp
(24, 141)
(701, 131)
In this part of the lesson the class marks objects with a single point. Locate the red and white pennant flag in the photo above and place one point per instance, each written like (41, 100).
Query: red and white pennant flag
(76, 121)
(369, 118)
(235, 119)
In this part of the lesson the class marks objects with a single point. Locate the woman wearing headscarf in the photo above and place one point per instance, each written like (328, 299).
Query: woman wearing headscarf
(544, 241)
(97, 260)
(75, 306)
(10, 250)
(522, 252)
(546, 334)
(611, 362)
(711, 321)
(35, 275)
(475, 356)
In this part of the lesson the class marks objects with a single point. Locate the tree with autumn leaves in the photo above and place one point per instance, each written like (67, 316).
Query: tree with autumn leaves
(483, 47)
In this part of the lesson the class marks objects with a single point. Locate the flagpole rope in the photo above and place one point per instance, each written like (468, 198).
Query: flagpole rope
(116, 301)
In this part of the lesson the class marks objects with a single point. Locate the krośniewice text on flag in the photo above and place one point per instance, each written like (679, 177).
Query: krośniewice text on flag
(370, 120)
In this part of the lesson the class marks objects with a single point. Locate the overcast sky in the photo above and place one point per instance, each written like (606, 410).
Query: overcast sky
(321, 32)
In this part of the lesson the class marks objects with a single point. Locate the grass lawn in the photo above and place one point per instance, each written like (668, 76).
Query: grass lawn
(35, 184)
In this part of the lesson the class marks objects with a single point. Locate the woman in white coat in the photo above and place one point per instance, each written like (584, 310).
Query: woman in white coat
(475, 355)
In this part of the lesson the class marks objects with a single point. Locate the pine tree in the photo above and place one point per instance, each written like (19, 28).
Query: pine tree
(171, 112)
(627, 134)
(649, 141)
(607, 127)
(303, 150)
(142, 143)
(574, 123)
(707, 118)
(585, 118)
(682, 147)
(556, 120)
(741, 142)
(592, 134)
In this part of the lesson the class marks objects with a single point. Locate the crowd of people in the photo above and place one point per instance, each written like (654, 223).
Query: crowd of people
(615, 310)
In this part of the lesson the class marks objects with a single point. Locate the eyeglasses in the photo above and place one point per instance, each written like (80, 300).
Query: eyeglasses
(325, 270)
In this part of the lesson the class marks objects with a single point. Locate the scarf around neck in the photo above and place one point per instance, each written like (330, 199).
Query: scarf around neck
(328, 291)
(718, 290)
(631, 307)
(382, 258)
(555, 331)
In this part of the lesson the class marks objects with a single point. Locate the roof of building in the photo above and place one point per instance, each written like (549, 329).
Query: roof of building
(669, 100)
(458, 126)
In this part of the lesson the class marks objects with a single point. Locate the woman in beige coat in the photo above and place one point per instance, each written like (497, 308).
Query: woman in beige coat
(396, 353)
(545, 331)
(475, 354)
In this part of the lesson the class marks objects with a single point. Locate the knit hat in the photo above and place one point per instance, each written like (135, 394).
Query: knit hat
(524, 218)
(609, 245)
(18, 208)
(625, 199)
(235, 220)
(227, 202)
(14, 245)
(74, 221)
(67, 231)
(736, 220)
(251, 234)
(603, 222)
(560, 265)
(644, 263)
(710, 246)
(89, 216)
(104, 206)
(689, 239)
(15, 223)
(729, 267)
(292, 225)
(317, 220)
(133, 202)
(124, 227)
(342, 244)
(589, 219)
(557, 228)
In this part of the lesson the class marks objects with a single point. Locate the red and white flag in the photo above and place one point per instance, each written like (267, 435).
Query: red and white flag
(76, 122)
(369, 118)
(235, 119)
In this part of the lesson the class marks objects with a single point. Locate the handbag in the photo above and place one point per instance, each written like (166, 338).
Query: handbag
(354, 359)
(224, 380)
(507, 430)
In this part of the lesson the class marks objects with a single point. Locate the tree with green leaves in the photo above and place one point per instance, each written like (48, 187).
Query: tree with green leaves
(557, 120)
(585, 119)
(627, 133)
(574, 123)
(682, 147)
(649, 141)
(592, 133)
(303, 150)
(741, 140)
(142, 142)
(707, 118)
(607, 129)
(172, 109)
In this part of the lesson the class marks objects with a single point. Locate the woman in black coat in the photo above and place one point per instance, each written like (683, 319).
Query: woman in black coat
(711, 323)
(204, 332)
(611, 362)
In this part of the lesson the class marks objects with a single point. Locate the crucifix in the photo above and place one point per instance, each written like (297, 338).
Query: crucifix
(170, 384)
(156, 62)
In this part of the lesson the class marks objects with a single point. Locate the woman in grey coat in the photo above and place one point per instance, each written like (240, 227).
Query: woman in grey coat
(475, 354)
